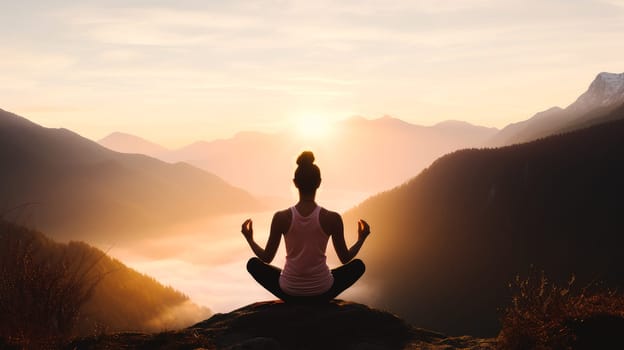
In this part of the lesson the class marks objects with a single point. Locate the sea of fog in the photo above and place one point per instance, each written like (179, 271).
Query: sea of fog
(206, 259)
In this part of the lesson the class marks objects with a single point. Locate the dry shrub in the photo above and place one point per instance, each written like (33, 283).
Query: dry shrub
(543, 315)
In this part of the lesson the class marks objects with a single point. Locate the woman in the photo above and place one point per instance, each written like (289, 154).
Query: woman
(306, 228)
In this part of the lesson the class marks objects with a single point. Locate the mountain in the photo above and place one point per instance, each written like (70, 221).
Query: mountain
(126, 143)
(605, 91)
(57, 290)
(264, 163)
(73, 188)
(445, 245)
(276, 325)
(605, 94)
(250, 160)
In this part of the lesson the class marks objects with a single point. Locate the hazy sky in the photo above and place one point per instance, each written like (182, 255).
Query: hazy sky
(178, 71)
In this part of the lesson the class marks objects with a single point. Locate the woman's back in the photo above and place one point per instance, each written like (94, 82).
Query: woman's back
(306, 271)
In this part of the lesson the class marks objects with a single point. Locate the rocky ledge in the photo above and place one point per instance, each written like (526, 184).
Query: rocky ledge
(276, 325)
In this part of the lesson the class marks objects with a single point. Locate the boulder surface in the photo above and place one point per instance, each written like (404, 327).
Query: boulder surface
(277, 325)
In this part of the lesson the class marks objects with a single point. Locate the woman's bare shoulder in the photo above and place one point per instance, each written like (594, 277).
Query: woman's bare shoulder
(329, 214)
(282, 218)
(330, 220)
(284, 212)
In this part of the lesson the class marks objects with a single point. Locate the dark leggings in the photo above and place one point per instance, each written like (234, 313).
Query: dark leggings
(268, 276)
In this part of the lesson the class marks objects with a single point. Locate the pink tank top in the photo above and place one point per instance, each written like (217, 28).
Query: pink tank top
(306, 272)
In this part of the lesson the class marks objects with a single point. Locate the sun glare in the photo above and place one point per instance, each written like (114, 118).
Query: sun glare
(312, 127)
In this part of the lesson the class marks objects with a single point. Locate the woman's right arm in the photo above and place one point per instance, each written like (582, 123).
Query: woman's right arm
(278, 227)
(345, 255)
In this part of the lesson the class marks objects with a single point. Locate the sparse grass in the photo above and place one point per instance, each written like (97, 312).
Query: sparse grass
(543, 315)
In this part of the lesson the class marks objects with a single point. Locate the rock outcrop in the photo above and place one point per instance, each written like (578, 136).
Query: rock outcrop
(277, 325)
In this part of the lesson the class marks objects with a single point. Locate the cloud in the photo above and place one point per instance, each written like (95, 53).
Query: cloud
(154, 26)
(122, 55)
(369, 57)
(32, 63)
(297, 25)
(48, 109)
(179, 316)
(25, 69)
(381, 7)
(619, 3)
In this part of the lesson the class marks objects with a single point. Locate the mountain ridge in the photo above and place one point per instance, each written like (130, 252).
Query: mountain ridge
(607, 89)
(128, 143)
(347, 144)
(604, 94)
(451, 123)
(82, 187)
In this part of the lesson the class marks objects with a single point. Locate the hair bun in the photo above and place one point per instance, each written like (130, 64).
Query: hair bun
(305, 158)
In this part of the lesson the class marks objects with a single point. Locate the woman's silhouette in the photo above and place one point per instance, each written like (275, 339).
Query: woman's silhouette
(306, 228)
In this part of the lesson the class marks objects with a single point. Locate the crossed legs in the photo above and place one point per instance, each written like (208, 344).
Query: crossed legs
(268, 277)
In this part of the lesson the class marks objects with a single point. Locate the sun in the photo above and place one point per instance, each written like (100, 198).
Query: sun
(312, 127)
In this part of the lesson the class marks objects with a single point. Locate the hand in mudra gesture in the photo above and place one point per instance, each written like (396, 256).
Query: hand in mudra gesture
(247, 229)
(363, 229)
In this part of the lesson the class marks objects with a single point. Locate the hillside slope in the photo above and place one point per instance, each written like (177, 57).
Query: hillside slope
(445, 245)
(61, 289)
(80, 190)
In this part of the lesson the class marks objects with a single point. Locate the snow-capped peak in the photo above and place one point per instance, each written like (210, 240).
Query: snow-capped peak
(607, 90)
(613, 83)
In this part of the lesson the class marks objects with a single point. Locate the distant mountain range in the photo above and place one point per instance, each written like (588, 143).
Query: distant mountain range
(445, 245)
(264, 163)
(72, 187)
(126, 143)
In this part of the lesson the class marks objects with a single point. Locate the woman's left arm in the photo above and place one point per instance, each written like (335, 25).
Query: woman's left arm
(268, 253)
